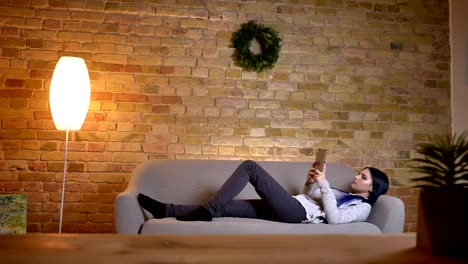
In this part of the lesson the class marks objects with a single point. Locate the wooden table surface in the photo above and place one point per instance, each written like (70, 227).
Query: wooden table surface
(115, 249)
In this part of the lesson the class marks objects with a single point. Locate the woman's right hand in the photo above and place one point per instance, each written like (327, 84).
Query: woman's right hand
(310, 176)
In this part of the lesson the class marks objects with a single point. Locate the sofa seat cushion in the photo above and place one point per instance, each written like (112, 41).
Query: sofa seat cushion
(233, 225)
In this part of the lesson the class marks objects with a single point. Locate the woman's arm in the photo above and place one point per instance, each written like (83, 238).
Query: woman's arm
(307, 190)
(353, 213)
(309, 181)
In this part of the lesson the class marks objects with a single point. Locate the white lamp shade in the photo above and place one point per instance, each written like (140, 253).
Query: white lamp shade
(70, 92)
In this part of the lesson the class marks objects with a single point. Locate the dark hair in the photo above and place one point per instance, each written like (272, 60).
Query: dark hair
(380, 184)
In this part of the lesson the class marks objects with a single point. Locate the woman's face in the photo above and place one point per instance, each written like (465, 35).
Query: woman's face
(362, 182)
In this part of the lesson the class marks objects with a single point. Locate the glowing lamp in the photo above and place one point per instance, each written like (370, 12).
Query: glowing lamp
(70, 92)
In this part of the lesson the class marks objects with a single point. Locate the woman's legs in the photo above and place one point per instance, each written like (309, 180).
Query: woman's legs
(181, 212)
(235, 208)
(277, 202)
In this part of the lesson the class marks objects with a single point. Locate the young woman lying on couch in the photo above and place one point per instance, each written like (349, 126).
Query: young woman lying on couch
(324, 205)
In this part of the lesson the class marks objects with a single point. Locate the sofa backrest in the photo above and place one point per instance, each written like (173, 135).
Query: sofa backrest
(195, 181)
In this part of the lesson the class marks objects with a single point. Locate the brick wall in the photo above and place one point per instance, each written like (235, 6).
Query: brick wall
(365, 79)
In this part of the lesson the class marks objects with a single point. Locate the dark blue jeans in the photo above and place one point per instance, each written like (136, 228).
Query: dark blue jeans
(275, 204)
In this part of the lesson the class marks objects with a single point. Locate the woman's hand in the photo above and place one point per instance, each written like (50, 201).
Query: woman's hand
(318, 175)
(310, 177)
(315, 175)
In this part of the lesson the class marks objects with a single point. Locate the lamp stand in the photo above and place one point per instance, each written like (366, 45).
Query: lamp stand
(63, 181)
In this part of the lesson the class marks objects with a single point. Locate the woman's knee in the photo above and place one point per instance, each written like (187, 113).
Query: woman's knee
(249, 163)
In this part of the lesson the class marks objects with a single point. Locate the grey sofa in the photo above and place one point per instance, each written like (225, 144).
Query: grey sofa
(194, 181)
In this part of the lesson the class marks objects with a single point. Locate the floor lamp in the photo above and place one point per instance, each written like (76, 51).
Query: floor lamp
(70, 92)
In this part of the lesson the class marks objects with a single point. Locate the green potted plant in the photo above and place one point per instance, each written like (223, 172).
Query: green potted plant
(443, 201)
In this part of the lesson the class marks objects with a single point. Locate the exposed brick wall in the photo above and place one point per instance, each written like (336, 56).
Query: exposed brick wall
(366, 79)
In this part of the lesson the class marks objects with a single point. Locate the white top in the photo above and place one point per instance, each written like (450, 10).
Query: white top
(322, 204)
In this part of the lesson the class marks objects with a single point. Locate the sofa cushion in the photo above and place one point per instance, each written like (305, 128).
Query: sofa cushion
(233, 225)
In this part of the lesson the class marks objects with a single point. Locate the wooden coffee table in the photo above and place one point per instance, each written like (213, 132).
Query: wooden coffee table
(115, 249)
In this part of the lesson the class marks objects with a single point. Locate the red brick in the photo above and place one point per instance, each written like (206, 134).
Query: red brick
(33, 84)
(14, 124)
(58, 3)
(13, 42)
(8, 145)
(33, 186)
(71, 46)
(162, 109)
(42, 115)
(101, 218)
(33, 227)
(106, 208)
(74, 218)
(35, 176)
(51, 186)
(52, 24)
(41, 74)
(88, 187)
(122, 18)
(96, 146)
(132, 68)
(99, 197)
(17, 11)
(166, 70)
(68, 196)
(123, 97)
(16, 93)
(50, 207)
(105, 228)
(50, 227)
(89, 26)
(39, 217)
(72, 187)
(114, 67)
(87, 208)
(89, 126)
(35, 43)
(37, 197)
(128, 167)
(101, 96)
(36, 124)
(34, 23)
(3, 165)
(37, 166)
(76, 4)
(154, 148)
(75, 146)
(155, 99)
(14, 83)
(34, 207)
(10, 52)
(96, 117)
(87, 228)
(10, 32)
(105, 188)
(13, 186)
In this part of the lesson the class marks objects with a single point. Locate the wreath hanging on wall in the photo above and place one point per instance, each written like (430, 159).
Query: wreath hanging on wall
(269, 43)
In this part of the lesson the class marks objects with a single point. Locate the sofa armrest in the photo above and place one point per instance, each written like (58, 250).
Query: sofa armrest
(388, 213)
(128, 214)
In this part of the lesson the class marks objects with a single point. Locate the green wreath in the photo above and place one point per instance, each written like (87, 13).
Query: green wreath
(269, 44)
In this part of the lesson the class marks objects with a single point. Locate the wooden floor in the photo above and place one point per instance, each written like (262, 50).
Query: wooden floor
(114, 249)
